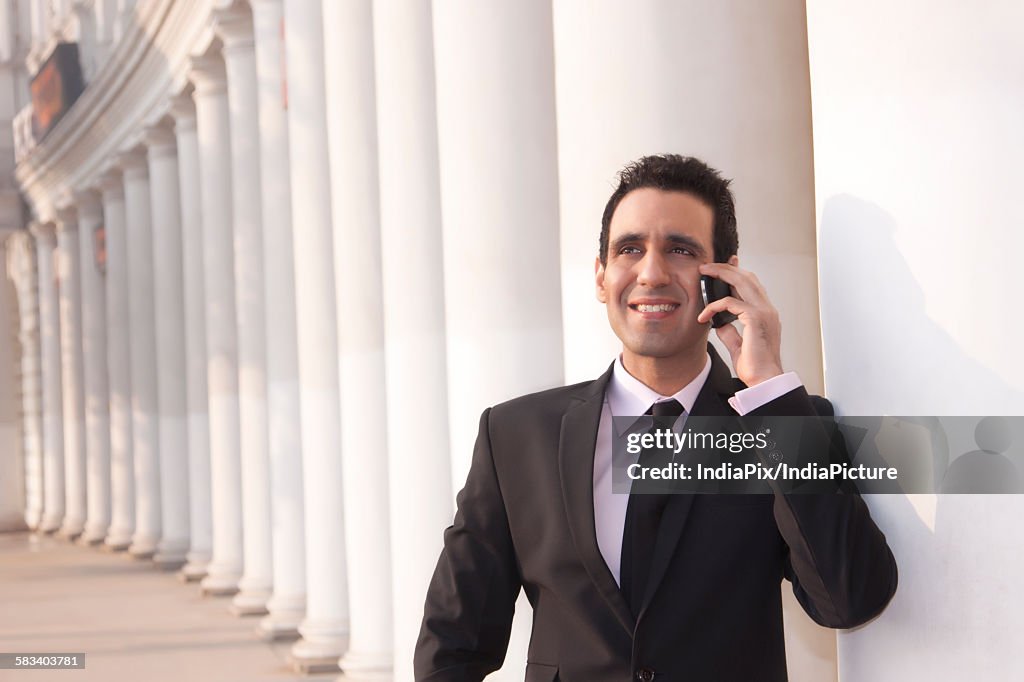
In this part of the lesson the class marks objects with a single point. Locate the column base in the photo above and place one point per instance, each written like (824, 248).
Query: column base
(170, 554)
(93, 535)
(33, 518)
(250, 602)
(143, 546)
(141, 550)
(366, 666)
(168, 562)
(116, 544)
(317, 653)
(193, 571)
(280, 626)
(219, 583)
(118, 539)
(84, 540)
(50, 524)
(69, 533)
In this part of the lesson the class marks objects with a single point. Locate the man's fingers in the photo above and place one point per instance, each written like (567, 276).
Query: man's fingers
(730, 303)
(730, 336)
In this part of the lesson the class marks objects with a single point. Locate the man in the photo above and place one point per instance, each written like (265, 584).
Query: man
(624, 587)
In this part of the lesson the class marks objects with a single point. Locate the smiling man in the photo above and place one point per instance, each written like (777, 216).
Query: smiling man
(635, 586)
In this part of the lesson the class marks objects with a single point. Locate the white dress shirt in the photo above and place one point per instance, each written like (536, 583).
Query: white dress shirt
(628, 396)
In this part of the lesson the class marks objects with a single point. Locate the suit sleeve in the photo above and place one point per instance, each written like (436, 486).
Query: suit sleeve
(841, 567)
(471, 599)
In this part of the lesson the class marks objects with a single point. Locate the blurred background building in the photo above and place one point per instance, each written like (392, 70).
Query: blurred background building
(265, 262)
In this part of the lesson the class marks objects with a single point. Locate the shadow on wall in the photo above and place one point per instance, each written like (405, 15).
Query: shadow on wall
(953, 551)
(873, 305)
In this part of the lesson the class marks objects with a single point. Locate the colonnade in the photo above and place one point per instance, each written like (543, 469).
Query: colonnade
(269, 316)
(195, 384)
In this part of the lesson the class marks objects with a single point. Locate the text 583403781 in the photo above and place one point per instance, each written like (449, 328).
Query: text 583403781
(41, 661)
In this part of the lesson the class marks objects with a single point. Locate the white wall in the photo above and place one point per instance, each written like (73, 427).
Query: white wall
(917, 141)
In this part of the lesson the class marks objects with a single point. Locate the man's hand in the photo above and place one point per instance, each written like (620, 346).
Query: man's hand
(757, 354)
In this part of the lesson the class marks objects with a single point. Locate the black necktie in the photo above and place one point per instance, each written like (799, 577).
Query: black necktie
(643, 516)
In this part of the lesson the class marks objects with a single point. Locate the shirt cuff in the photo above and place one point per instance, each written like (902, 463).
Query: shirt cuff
(749, 399)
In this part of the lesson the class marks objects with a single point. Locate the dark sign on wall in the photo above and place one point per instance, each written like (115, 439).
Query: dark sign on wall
(55, 87)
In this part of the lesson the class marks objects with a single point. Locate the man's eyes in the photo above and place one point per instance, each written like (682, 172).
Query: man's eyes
(634, 250)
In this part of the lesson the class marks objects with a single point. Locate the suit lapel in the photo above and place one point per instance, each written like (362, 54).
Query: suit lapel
(576, 446)
(711, 402)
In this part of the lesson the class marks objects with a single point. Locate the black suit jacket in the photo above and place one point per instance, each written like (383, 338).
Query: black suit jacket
(713, 609)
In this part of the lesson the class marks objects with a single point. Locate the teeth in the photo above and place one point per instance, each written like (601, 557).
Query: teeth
(659, 308)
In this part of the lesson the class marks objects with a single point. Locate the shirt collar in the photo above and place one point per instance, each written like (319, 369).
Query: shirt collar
(629, 398)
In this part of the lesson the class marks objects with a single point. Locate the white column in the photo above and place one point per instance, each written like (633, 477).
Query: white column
(84, 33)
(123, 18)
(235, 29)
(73, 393)
(37, 20)
(170, 346)
(49, 338)
(288, 602)
(496, 111)
(106, 11)
(200, 532)
(754, 114)
(145, 405)
(12, 461)
(326, 624)
(122, 465)
(213, 131)
(410, 221)
(22, 261)
(94, 362)
(352, 135)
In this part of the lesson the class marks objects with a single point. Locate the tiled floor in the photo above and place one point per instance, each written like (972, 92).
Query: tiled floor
(131, 620)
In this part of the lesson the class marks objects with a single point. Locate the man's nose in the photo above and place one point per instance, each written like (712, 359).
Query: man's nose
(653, 270)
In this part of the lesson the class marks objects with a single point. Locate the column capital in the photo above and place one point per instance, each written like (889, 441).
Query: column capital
(111, 184)
(66, 214)
(160, 141)
(183, 110)
(88, 203)
(44, 232)
(234, 27)
(208, 74)
(133, 163)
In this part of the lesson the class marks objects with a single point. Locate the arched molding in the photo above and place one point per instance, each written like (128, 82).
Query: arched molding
(128, 93)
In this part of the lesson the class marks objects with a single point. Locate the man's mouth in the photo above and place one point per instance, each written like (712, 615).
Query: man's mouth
(654, 307)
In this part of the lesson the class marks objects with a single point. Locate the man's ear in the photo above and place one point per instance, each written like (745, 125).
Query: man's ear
(599, 280)
(734, 260)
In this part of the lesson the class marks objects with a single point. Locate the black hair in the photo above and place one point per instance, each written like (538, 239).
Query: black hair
(675, 173)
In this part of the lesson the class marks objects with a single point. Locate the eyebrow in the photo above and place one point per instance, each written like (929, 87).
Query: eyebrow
(674, 239)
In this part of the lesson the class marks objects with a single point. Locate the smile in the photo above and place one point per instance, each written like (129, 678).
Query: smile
(654, 307)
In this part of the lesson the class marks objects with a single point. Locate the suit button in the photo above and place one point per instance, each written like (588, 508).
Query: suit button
(645, 675)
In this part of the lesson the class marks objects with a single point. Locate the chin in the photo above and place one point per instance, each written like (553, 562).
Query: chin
(656, 350)
(666, 347)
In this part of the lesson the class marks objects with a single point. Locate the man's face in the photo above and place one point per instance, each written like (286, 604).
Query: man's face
(651, 285)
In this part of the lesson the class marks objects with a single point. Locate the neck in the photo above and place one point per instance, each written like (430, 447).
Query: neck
(666, 376)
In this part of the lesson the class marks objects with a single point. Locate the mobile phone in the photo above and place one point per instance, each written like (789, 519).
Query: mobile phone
(712, 289)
